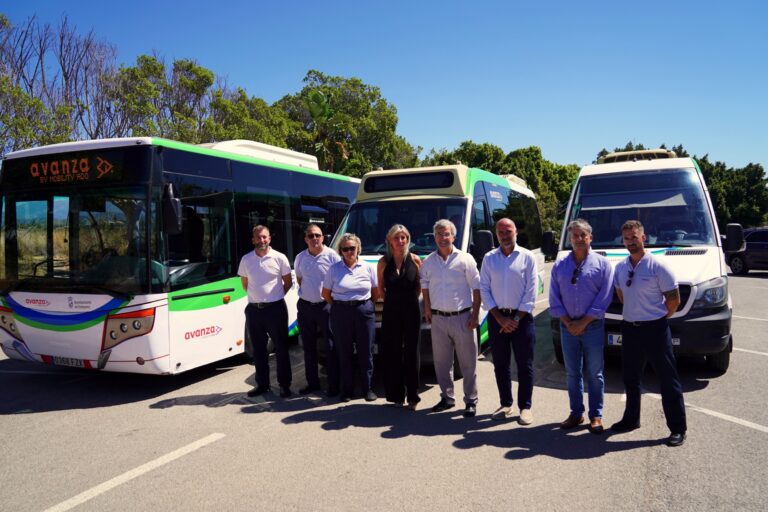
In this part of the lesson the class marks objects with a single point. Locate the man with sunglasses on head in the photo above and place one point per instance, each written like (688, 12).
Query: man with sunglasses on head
(649, 292)
(581, 288)
(312, 311)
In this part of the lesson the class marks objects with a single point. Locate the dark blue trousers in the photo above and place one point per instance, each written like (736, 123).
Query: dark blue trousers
(503, 345)
(313, 319)
(354, 326)
(264, 323)
(651, 341)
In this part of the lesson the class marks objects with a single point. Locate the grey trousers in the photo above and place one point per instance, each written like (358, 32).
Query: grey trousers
(449, 333)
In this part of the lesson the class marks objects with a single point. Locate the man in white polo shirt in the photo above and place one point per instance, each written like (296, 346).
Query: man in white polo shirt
(266, 277)
(450, 285)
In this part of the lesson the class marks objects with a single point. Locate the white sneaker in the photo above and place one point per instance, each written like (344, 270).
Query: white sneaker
(502, 413)
(526, 418)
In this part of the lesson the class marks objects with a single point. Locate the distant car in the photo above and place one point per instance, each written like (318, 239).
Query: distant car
(754, 256)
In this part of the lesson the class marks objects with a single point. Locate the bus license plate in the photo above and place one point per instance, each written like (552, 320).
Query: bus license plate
(68, 361)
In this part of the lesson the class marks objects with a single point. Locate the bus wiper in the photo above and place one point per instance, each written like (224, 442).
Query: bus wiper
(99, 288)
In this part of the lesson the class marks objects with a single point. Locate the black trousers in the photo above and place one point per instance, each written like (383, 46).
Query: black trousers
(400, 326)
(314, 319)
(354, 326)
(264, 323)
(651, 341)
(503, 345)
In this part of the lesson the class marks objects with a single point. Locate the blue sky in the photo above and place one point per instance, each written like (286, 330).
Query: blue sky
(570, 77)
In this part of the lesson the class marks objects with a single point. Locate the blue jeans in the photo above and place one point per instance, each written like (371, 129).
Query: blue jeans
(585, 351)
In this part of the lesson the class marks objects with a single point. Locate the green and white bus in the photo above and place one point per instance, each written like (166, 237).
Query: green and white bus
(122, 254)
(473, 199)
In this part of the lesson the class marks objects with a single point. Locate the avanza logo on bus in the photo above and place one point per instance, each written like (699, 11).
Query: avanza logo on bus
(203, 332)
(37, 302)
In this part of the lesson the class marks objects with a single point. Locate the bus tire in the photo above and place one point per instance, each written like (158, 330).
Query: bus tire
(722, 360)
(738, 265)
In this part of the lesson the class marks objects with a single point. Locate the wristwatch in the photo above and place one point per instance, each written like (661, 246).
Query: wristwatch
(516, 318)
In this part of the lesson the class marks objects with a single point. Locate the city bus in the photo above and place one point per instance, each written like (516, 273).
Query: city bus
(122, 254)
(473, 199)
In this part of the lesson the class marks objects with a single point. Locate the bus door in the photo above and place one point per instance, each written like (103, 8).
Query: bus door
(207, 300)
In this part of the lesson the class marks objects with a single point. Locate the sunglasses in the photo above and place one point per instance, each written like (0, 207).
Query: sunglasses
(576, 274)
(631, 275)
(349, 248)
(314, 235)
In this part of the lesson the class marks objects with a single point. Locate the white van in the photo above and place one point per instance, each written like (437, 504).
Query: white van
(669, 196)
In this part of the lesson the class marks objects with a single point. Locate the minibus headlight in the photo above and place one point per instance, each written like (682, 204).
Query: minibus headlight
(712, 294)
(124, 326)
(8, 323)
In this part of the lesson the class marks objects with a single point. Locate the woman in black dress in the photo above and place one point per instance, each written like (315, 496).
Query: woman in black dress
(398, 277)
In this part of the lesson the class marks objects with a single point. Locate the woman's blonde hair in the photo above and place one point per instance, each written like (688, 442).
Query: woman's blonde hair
(397, 228)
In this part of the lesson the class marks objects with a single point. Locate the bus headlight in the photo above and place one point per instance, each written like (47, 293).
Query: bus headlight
(711, 294)
(124, 326)
(8, 323)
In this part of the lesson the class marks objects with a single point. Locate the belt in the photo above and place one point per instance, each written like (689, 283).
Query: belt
(643, 322)
(262, 305)
(351, 302)
(449, 313)
(312, 303)
(507, 311)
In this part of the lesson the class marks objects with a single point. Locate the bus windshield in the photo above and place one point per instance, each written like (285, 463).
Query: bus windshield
(371, 221)
(670, 203)
(88, 241)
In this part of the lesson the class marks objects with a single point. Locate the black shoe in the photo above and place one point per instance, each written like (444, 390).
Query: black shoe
(624, 426)
(676, 439)
(332, 392)
(258, 390)
(443, 405)
(370, 396)
(470, 410)
(285, 391)
(308, 389)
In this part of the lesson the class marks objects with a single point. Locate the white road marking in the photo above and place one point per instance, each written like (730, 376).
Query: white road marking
(134, 473)
(726, 417)
(751, 318)
(751, 351)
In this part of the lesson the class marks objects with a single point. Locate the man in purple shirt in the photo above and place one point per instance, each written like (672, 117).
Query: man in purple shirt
(579, 293)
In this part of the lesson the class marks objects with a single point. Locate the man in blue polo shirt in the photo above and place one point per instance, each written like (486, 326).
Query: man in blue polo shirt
(649, 292)
(580, 291)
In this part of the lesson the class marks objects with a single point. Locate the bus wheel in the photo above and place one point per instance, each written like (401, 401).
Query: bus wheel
(738, 265)
(721, 360)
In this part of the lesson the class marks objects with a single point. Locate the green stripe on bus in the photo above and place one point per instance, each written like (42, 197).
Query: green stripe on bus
(180, 300)
(191, 148)
(474, 175)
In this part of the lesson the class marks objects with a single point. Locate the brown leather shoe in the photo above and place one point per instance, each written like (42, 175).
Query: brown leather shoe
(571, 421)
(596, 425)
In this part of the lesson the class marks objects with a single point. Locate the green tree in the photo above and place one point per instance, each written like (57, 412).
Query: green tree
(347, 124)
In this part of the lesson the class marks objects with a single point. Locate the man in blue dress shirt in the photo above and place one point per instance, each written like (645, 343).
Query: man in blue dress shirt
(508, 290)
(581, 288)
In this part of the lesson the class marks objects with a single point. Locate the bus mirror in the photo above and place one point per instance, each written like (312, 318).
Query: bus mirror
(734, 237)
(548, 246)
(172, 219)
(482, 243)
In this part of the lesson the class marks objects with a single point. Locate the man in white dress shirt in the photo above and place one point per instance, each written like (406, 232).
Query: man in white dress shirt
(450, 285)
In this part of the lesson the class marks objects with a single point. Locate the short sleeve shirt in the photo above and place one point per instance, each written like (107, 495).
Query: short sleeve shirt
(450, 282)
(312, 270)
(643, 298)
(350, 283)
(265, 275)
